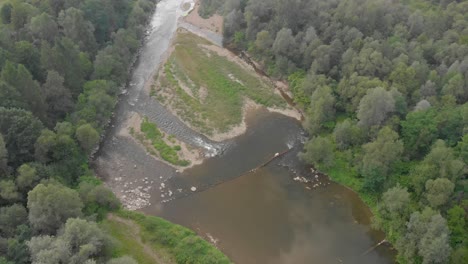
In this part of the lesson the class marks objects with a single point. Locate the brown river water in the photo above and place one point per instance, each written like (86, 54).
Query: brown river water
(266, 216)
(260, 217)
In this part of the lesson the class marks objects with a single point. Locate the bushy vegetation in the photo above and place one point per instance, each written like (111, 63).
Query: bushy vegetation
(62, 63)
(384, 85)
(225, 83)
(182, 243)
(167, 152)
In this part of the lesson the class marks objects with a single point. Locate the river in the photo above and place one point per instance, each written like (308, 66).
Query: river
(268, 215)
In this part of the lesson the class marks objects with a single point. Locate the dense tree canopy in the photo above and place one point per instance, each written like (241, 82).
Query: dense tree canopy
(384, 87)
(61, 65)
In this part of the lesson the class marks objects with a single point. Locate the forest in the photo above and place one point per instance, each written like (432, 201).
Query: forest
(384, 88)
(62, 65)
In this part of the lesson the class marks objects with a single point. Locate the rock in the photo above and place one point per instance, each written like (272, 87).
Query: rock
(193, 188)
(163, 185)
(134, 166)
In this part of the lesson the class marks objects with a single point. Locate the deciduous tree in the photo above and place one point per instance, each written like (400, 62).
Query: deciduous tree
(375, 107)
(51, 205)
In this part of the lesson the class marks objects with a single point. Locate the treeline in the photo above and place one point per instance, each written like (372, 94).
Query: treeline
(62, 63)
(384, 85)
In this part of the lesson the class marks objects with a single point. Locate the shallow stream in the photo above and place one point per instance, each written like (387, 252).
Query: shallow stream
(253, 214)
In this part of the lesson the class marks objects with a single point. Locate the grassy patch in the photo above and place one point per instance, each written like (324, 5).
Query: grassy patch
(126, 242)
(217, 86)
(183, 244)
(343, 173)
(166, 152)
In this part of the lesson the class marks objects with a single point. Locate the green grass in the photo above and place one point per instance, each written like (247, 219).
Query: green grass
(181, 243)
(226, 84)
(166, 152)
(343, 173)
(126, 243)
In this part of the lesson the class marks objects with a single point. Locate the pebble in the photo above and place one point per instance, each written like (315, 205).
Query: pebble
(193, 188)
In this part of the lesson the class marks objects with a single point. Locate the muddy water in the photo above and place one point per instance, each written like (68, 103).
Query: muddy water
(264, 216)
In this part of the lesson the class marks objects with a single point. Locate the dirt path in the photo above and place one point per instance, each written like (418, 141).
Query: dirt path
(134, 229)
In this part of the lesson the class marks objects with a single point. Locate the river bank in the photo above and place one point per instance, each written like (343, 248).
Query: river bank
(247, 63)
(210, 89)
(218, 212)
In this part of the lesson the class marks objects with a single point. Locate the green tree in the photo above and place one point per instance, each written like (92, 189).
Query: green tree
(403, 78)
(50, 206)
(438, 191)
(44, 146)
(263, 42)
(9, 191)
(3, 157)
(87, 136)
(318, 151)
(44, 27)
(347, 134)
(27, 177)
(379, 157)
(57, 97)
(456, 88)
(26, 54)
(375, 107)
(426, 238)
(351, 90)
(321, 109)
(95, 105)
(20, 129)
(462, 147)
(456, 218)
(79, 242)
(66, 59)
(419, 131)
(439, 163)
(5, 13)
(19, 77)
(78, 29)
(97, 199)
(21, 14)
(47, 249)
(10, 218)
(394, 209)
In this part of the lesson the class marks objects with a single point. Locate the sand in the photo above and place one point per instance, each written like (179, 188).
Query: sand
(214, 23)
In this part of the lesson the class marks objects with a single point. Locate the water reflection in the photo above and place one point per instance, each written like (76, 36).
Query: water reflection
(267, 217)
